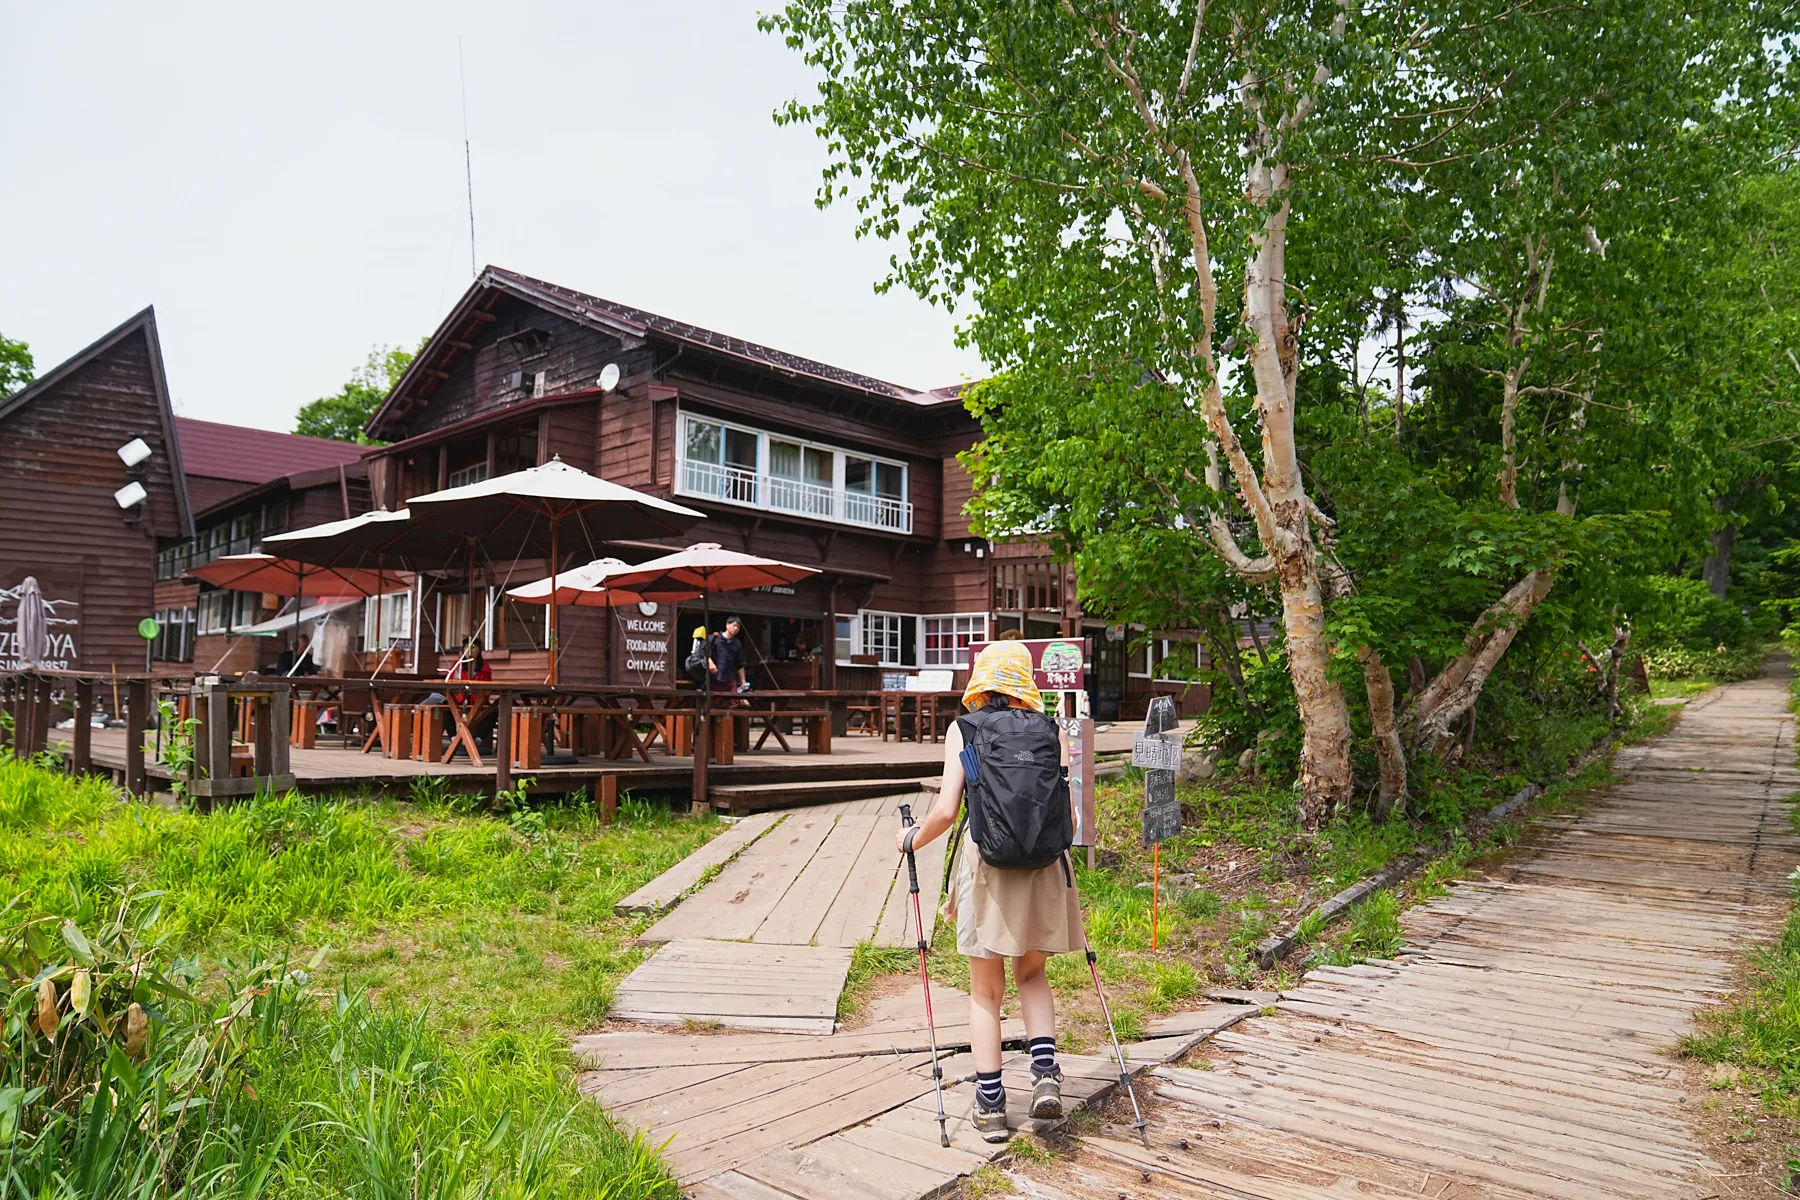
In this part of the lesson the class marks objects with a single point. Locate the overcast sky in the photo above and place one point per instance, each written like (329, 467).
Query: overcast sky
(285, 184)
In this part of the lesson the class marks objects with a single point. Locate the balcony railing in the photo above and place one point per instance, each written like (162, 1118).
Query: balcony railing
(736, 485)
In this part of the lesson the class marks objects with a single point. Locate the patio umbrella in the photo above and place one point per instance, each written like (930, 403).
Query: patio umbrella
(708, 567)
(591, 587)
(517, 509)
(263, 572)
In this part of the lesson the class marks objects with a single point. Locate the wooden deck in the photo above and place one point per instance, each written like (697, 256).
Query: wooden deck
(1519, 1046)
(857, 766)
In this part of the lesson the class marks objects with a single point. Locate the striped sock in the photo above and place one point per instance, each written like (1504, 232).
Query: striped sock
(1043, 1057)
(989, 1091)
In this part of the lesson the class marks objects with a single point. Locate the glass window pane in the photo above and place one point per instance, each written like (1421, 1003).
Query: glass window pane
(703, 441)
(888, 481)
(818, 467)
(784, 460)
(740, 449)
(859, 474)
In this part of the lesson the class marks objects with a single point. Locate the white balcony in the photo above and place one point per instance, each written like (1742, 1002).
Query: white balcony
(774, 493)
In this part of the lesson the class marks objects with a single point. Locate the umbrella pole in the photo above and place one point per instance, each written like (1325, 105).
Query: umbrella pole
(703, 729)
(299, 603)
(553, 605)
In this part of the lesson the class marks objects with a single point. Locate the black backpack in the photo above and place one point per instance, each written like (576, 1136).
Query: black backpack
(1017, 795)
(695, 666)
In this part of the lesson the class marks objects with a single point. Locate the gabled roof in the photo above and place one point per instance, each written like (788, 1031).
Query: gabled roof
(237, 452)
(632, 325)
(144, 322)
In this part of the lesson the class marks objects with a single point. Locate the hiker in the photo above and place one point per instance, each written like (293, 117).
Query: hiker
(1025, 911)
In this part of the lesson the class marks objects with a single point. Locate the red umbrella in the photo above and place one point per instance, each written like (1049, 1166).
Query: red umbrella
(291, 577)
(592, 587)
(707, 568)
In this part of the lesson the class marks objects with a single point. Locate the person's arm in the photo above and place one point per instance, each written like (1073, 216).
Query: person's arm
(943, 813)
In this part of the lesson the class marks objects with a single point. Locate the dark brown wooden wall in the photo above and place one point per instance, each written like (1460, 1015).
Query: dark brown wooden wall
(58, 520)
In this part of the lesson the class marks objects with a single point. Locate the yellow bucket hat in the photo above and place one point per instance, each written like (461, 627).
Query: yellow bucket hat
(1004, 667)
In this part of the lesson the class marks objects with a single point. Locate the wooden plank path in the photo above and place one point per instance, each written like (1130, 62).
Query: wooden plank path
(845, 1117)
(1519, 1046)
(826, 875)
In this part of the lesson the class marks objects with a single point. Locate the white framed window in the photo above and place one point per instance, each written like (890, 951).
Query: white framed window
(947, 638)
(1140, 652)
(468, 475)
(742, 465)
(892, 638)
(212, 617)
(846, 639)
(387, 619)
(453, 625)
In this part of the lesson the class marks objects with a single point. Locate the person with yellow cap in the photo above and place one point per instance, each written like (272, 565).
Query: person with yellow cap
(1023, 913)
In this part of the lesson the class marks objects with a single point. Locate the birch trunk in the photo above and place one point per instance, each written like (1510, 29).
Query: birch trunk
(1325, 778)
(1391, 800)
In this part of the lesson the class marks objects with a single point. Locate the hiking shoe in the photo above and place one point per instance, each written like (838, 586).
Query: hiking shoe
(991, 1124)
(1046, 1097)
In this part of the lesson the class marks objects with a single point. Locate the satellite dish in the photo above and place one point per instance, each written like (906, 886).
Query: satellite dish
(609, 377)
(131, 495)
(134, 452)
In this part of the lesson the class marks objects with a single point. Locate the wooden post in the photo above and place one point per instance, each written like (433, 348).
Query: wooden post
(608, 798)
(503, 744)
(281, 715)
(82, 757)
(137, 705)
(8, 687)
(40, 718)
(262, 717)
(216, 736)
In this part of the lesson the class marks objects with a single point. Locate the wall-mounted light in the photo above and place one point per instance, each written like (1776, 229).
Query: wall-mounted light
(131, 495)
(132, 453)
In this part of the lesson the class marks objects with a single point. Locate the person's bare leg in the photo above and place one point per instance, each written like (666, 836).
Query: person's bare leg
(1039, 1008)
(1036, 1003)
(987, 988)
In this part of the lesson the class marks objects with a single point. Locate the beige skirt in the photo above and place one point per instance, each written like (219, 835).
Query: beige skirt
(1001, 913)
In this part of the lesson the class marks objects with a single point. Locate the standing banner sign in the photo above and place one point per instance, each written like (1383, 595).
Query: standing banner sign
(1160, 756)
(1080, 732)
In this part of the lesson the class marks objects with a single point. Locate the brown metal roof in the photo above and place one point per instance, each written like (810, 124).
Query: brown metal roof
(649, 322)
(213, 450)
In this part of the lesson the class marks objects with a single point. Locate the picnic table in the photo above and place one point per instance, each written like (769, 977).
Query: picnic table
(922, 708)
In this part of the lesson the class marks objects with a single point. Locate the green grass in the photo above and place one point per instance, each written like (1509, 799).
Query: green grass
(1760, 1032)
(461, 952)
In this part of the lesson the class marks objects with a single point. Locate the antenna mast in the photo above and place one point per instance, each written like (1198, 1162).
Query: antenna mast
(468, 169)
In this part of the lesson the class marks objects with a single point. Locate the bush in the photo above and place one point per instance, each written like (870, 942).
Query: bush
(1683, 614)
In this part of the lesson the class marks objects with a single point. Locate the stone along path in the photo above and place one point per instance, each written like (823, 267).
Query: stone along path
(1519, 1046)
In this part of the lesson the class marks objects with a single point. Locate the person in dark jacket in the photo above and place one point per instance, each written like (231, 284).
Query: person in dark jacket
(725, 657)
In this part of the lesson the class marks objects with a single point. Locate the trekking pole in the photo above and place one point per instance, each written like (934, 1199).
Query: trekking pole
(1142, 1126)
(937, 1070)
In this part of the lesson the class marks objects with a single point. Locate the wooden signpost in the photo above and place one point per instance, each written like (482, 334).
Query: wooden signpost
(1160, 756)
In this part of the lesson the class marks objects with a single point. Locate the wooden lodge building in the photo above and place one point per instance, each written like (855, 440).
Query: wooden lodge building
(245, 484)
(788, 458)
(79, 523)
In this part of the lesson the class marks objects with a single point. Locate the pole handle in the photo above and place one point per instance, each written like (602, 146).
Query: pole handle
(912, 865)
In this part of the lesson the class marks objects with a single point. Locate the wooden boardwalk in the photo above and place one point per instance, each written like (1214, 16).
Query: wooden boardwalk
(825, 875)
(846, 1117)
(1519, 1047)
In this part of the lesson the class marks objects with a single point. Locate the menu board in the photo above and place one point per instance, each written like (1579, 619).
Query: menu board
(1057, 664)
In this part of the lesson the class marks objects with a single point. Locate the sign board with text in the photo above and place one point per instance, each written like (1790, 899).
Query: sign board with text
(1057, 664)
(1080, 732)
(1162, 808)
(643, 637)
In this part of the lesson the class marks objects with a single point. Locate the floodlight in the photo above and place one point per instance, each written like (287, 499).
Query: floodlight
(134, 452)
(609, 377)
(131, 495)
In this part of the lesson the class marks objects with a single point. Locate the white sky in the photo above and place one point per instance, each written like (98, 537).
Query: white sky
(285, 184)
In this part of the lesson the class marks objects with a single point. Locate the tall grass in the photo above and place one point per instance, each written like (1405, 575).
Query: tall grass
(248, 1078)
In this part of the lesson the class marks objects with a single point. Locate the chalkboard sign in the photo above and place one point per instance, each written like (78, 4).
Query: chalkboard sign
(1162, 811)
